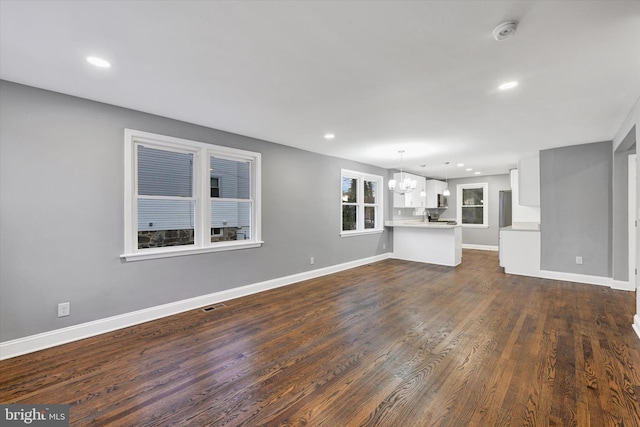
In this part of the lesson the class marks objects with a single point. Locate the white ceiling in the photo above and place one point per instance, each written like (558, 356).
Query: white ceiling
(382, 75)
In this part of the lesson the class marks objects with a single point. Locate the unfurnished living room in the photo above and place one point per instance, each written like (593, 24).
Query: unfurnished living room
(320, 213)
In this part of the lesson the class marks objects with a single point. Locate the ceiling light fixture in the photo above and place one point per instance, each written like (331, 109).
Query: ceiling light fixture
(508, 85)
(505, 30)
(98, 62)
(469, 169)
(477, 173)
(405, 185)
(460, 165)
(446, 191)
(329, 136)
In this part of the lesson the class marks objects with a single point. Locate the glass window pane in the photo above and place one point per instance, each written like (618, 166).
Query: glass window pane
(215, 187)
(369, 217)
(230, 220)
(164, 173)
(370, 191)
(349, 217)
(232, 177)
(165, 223)
(472, 196)
(472, 215)
(349, 190)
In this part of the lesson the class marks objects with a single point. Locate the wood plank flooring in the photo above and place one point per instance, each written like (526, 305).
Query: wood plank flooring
(394, 343)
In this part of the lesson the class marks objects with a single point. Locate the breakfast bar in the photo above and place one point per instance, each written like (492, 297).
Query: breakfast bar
(428, 242)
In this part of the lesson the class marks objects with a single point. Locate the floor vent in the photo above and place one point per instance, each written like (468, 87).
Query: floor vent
(213, 307)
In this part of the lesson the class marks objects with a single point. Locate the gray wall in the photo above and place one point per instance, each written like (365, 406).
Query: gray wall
(621, 211)
(480, 236)
(575, 208)
(62, 215)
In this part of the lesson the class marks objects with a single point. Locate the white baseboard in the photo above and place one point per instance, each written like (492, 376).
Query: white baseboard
(57, 337)
(480, 247)
(579, 278)
(636, 324)
(582, 278)
(621, 286)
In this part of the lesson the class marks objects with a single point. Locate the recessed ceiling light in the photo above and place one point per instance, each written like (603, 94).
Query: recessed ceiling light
(98, 62)
(469, 169)
(508, 85)
(460, 165)
(329, 136)
(477, 173)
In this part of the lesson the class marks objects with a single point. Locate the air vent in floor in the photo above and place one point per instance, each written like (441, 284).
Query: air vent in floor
(213, 307)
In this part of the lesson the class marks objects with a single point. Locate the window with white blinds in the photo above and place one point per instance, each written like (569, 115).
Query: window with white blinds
(185, 197)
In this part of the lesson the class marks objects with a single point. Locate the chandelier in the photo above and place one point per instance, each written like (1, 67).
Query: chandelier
(405, 184)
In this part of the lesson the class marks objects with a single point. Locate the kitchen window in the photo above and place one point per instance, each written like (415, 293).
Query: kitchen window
(184, 197)
(361, 203)
(472, 205)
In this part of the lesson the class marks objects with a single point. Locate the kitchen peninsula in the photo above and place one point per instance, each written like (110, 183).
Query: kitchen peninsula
(428, 242)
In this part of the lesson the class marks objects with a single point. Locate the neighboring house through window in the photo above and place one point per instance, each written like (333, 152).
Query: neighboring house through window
(361, 203)
(185, 197)
(472, 204)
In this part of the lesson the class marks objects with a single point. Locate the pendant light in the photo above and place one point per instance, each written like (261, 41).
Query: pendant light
(405, 185)
(446, 191)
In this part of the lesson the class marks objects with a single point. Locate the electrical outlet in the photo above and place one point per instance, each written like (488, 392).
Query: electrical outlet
(578, 260)
(312, 261)
(64, 309)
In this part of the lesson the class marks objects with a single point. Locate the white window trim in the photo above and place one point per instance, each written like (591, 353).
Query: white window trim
(202, 243)
(361, 177)
(485, 204)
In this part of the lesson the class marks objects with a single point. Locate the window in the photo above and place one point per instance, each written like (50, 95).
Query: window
(361, 203)
(472, 204)
(184, 197)
(215, 186)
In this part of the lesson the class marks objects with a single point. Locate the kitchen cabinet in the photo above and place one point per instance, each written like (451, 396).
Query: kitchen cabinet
(412, 199)
(520, 251)
(529, 181)
(520, 213)
(433, 188)
(431, 243)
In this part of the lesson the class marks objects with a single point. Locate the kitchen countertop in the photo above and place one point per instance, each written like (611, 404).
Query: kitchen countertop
(523, 226)
(418, 224)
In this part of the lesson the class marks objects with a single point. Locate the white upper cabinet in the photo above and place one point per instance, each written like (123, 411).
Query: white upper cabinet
(529, 181)
(418, 199)
(521, 214)
(412, 199)
(434, 187)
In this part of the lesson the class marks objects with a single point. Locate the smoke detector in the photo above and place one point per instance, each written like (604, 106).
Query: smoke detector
(505, 30)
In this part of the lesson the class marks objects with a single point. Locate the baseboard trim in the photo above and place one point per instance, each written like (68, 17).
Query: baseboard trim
(480, 247)
(621, 286)
(636, 324)
(578, 278)
(30, 344)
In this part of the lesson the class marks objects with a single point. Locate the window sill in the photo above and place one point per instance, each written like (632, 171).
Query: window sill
(173, 252)
(474, 226)
(360, 233)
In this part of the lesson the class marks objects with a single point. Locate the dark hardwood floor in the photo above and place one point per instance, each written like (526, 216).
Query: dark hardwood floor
(389, 344)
